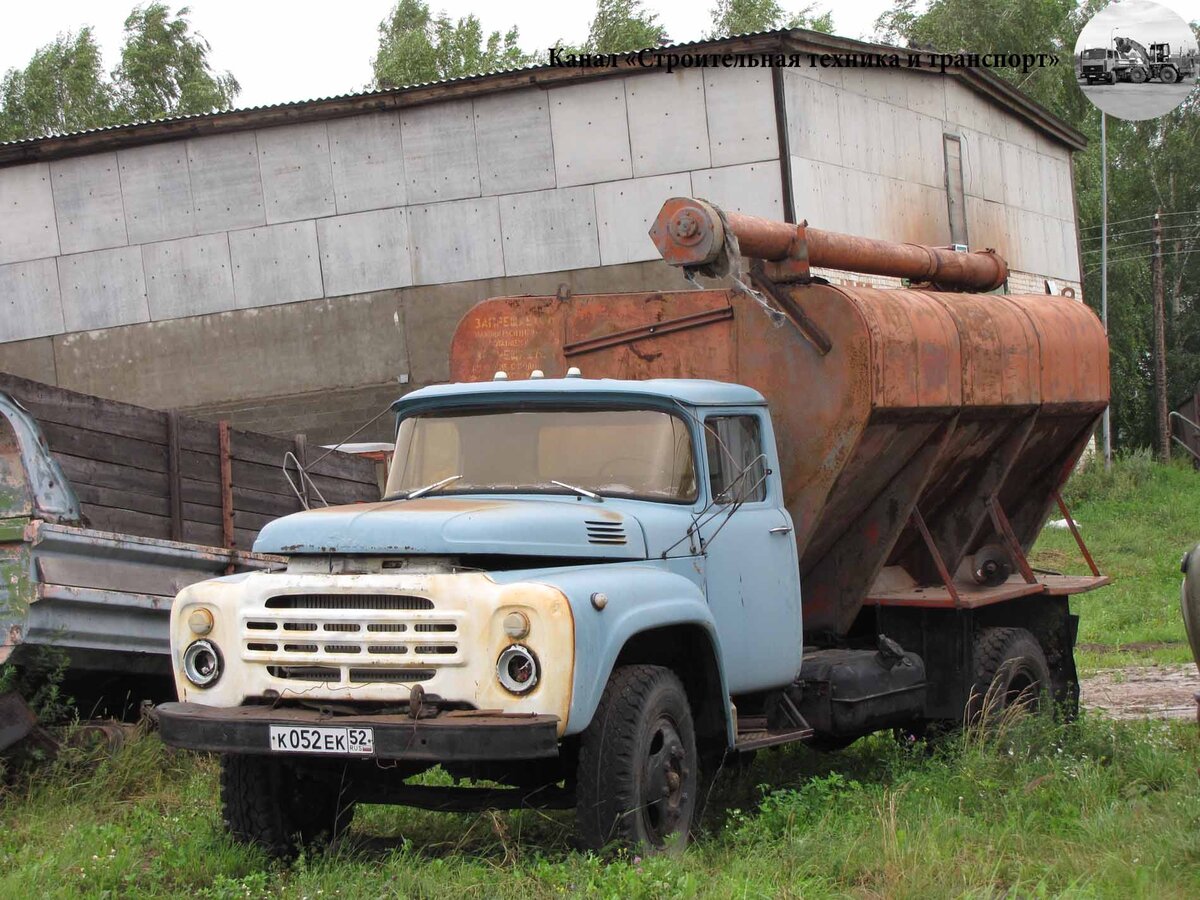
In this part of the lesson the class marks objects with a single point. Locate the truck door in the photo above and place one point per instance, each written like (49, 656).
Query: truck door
(752, 578)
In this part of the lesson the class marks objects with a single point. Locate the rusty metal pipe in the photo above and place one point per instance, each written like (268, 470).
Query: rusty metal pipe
(690, 232)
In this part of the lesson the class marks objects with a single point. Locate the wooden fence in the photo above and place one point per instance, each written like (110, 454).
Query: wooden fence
(164, 475)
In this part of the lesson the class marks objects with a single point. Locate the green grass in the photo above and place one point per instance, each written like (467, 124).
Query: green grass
(1093, 809)
(1138, 519)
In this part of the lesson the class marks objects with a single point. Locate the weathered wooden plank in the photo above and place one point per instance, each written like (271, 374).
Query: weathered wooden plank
(135, 501)
(126, 521)
(200, 493)
(174, 477)
(54, 404)
(80, 471)
(269, 479)
(265, 449)
(111, 448)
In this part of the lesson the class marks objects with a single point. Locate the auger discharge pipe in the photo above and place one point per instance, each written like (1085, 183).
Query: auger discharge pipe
(689, 232)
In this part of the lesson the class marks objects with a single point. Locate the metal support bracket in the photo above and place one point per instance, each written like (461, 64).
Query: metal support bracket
(811, 331)
(943, 572)
(629, 335)
(1004, 530)
(1062, 507)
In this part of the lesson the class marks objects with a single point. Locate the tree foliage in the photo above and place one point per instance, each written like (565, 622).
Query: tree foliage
(415, 46)
(746, 16)
(1151, 164)
(164, 71)
(621, 25)
(164, 68)
(62, 88)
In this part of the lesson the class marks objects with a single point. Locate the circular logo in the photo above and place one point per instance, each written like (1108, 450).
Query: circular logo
(1137, 60)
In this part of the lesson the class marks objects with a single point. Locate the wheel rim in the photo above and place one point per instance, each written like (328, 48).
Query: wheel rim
(664, 793)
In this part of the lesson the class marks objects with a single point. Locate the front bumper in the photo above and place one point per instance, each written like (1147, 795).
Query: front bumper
(460, 736)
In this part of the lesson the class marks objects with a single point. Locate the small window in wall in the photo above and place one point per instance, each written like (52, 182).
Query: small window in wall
(736, 468)
(955, 201)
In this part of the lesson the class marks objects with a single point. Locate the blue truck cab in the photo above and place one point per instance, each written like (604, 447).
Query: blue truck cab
(565, 584)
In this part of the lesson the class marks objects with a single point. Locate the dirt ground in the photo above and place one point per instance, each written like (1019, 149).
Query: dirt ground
(1137, 101)
(1166, 692)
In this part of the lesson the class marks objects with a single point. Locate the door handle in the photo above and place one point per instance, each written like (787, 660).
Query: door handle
(780, 529)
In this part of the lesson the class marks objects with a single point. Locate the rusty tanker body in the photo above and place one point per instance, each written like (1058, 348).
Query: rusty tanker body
(924, 432)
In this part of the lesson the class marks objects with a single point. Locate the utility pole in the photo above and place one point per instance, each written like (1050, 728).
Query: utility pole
(1160, 346)
(1107, 421)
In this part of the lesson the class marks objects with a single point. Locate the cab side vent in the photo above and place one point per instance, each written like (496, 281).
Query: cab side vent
(605, 532)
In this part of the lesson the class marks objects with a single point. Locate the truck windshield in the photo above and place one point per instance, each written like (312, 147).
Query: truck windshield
(1096, 54)
(637, 453)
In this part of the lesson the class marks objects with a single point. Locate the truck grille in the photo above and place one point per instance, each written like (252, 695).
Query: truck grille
(349, 639)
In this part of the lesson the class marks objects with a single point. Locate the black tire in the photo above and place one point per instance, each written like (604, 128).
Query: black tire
(638, 775)
(1168, 75)
(1010, 669)
(264, 802)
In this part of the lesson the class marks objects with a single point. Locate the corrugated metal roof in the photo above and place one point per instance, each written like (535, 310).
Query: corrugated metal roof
(240, 118)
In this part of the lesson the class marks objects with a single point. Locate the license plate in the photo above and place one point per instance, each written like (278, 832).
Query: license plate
(322, 739)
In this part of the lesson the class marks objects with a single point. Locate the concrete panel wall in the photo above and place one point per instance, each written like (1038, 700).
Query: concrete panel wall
(188, 274)
(102, 288)
(549, 231)
(446, 204)
(87, 203)
(275, 264)
(367, 162)
(441, 159)
(868, 157)
(297, 181)
(364, 252)
(456, 241)
(625, 210)
(226, 186)
(157, 192)
(668, 122)
(516, 150)
(27, 227)
(590, 125)
(741, 116)
(29, 300)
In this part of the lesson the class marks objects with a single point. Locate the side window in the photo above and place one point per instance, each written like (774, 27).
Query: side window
(736, 468)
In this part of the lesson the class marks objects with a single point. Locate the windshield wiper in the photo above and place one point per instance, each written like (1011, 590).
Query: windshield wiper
(583, 492)
(422, 491)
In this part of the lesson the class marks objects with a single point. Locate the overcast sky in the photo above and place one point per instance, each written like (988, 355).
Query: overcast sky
(280, 51)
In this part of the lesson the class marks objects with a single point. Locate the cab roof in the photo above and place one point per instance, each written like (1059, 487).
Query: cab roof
(690, 391)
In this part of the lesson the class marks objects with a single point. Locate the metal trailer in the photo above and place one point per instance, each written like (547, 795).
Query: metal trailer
(102, 598)
(90, 564)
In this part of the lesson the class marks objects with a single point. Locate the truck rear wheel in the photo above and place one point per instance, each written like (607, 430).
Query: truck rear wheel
(1010, 670)
(266, 803)
(1168, 75)
(637, 779)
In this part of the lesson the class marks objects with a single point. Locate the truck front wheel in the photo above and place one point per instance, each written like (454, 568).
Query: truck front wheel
(638, 773)
(267, 803)
(1010, 670)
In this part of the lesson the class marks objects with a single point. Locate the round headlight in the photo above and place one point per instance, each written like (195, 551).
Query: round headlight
(200, 621)
(202, 663)
(517, 669)
(516, 625)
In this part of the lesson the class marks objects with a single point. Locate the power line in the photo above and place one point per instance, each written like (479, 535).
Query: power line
(1186, 212)
(1096, 237)
(1131, 244)
(1138, 256)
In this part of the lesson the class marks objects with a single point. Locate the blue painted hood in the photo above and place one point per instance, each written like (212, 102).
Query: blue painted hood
(457, 525)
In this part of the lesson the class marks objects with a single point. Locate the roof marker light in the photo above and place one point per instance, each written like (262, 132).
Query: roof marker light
(500, 376)
(574, 372)
(537, 373)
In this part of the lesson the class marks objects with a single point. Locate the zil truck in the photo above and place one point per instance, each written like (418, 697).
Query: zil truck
(732, 519)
